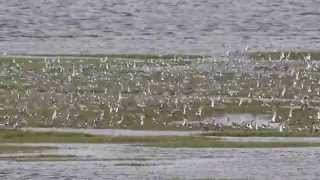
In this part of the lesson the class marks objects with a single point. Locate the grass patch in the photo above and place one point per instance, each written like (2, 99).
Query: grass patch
(17, 136)
(125, 56)
(150, 141)
(10, 149)
(262, 134)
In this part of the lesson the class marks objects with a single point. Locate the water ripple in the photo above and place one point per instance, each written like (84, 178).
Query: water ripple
(157, 26)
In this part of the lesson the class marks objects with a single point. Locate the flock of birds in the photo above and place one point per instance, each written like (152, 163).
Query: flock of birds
(159, 93)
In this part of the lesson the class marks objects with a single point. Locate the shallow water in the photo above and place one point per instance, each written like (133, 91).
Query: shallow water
(108, 161)
(157, 26)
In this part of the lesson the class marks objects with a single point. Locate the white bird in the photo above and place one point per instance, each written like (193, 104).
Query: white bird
(134, 64)
(240, 102)
(290, 112)
(297, 75)
(73, 70)
(212, 102)
(69, 78)
(184, 109)
(185, 122)
(309, 89)
(274, 117)
(119, 97)
(116, 109)
(283, 93)
(258, 83)
(281, 127)
(16, 125)
(309, 66)
(249, 94)
(199, 113)
(308, 57)
(142, 120)
(54, 115)
(282, 56)
(120, 121)
(107, 66)
(68, 116)
(27, 92)
(295, 84)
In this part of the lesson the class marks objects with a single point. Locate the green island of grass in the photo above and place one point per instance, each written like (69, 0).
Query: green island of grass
(261, 133)
(20, 136)
(17, 136)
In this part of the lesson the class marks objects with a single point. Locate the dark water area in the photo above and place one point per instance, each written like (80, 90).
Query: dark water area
(157, 26)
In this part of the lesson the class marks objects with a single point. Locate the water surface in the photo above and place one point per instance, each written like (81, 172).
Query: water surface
(157, 26)
(108, 161)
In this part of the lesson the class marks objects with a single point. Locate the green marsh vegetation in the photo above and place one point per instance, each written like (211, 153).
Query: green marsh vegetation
(19, 136)
(261, 133)
(15, 136)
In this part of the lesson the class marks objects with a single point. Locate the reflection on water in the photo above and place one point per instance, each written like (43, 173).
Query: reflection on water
(157, 26)
(107, 161)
